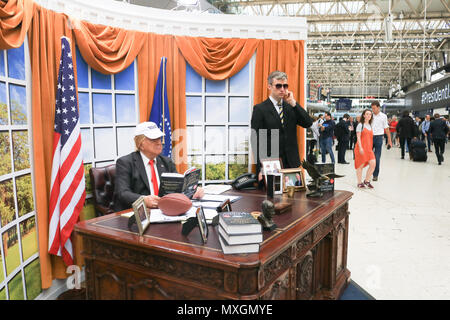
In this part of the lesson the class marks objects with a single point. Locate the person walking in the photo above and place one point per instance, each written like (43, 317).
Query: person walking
(379, 127)
(364, 155)
(425, 128)
(392, 129)
(439, 130)
(406, 129)
(326, 137)
(342, 134)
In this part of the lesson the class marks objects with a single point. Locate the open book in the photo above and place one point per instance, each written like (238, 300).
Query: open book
(179, 183)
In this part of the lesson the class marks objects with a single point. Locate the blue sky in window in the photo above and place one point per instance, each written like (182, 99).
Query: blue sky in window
(216, 109)
(82, 71)
(125, 108)
(88, 151)
(16, 63)
(239, 83)
(238, 138)
(194, 109)
(215, 139)
(3, 104)
(2, 63)
(125, 141)
(239, 109)
(193, 80)
(213, 86)
(18, 104)
(102, 107)
(194, 139)
(125, 79)
(83, 103)
(99, 80)
(104, 143)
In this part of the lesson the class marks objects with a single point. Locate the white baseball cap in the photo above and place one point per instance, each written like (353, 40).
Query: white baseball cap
(148, 129)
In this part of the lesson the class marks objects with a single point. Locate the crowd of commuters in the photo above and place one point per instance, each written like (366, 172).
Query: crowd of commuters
(364, 136)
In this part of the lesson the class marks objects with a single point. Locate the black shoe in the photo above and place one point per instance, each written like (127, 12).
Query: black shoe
(375, 179)
(403, 157)
(345, 162)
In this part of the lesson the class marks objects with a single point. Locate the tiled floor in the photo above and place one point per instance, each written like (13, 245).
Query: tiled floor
(399, 235)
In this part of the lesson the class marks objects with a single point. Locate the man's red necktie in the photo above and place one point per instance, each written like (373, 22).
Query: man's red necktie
(154, 180)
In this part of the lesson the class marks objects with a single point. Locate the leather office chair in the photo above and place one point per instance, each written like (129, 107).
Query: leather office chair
(102, 180)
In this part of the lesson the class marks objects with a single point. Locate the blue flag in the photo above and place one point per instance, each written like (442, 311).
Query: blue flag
(160, 109)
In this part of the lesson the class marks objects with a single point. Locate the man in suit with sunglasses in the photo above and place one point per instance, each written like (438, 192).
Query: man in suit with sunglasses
(279, 115)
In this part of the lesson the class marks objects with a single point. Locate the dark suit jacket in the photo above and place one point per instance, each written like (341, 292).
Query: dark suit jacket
(406, 128)
(265, 116)
(438, 129)
(131, 180)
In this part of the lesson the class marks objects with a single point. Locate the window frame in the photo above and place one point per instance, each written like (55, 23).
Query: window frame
(227, 124)
(14, 175)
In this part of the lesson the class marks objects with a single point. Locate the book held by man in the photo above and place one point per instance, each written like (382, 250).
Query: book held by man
(179, 183)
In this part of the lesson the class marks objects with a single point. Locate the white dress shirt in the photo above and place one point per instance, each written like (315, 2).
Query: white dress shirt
(275, 104)
(379, 123)
(148, 170)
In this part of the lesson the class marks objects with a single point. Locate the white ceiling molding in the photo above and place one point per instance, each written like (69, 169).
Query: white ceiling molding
(134, 17)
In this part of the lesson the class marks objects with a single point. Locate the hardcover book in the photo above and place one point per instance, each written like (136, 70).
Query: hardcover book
(239, 248)
(179, 183)
(234, 222)
(240, 238)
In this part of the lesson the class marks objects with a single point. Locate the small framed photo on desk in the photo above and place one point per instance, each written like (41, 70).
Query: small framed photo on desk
(293, 178)
(141, 214)
(202, 224)
(269, 166)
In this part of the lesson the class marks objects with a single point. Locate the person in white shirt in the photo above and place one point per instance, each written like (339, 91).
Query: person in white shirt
(380, 126)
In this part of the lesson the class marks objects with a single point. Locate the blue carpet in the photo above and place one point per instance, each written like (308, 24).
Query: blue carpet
(355, 292)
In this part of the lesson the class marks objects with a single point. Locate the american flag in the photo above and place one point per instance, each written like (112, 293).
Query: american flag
(160, 109)
(67, 193)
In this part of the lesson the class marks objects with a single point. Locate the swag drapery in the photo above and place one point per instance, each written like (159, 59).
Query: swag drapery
(110, 50)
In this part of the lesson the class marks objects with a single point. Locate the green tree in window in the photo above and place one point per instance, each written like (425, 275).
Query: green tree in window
(5, 156)
(17, 116)
(21, 150)
(3, 113)
(215, 171)
(24, 190)
(7, 211)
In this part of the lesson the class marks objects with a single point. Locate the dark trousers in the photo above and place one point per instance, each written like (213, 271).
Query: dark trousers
(342, 147)
(402, 144)
(429, 141)
(377, 146)
(439, 147)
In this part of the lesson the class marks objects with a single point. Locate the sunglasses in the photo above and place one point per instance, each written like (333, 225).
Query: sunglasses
(279, 85)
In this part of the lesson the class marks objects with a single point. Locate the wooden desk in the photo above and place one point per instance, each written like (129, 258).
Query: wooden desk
(304, 258)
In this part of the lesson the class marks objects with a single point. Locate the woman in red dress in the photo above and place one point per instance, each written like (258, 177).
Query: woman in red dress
(364, 149)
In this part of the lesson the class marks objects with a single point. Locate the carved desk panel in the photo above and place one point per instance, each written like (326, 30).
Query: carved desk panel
(305, 257)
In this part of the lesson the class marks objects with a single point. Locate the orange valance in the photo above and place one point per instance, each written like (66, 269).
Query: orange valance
(107, 49)
(216, 58)
(15, 19)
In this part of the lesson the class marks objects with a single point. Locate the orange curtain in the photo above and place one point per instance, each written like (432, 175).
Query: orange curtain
(287, 56)
(15, 19)
(216, 59)
(149, 59)
(107, 49)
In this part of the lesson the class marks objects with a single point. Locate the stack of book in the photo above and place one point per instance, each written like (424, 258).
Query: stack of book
(239, 232)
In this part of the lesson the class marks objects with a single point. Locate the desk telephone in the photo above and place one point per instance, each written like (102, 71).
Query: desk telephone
(245, 181)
